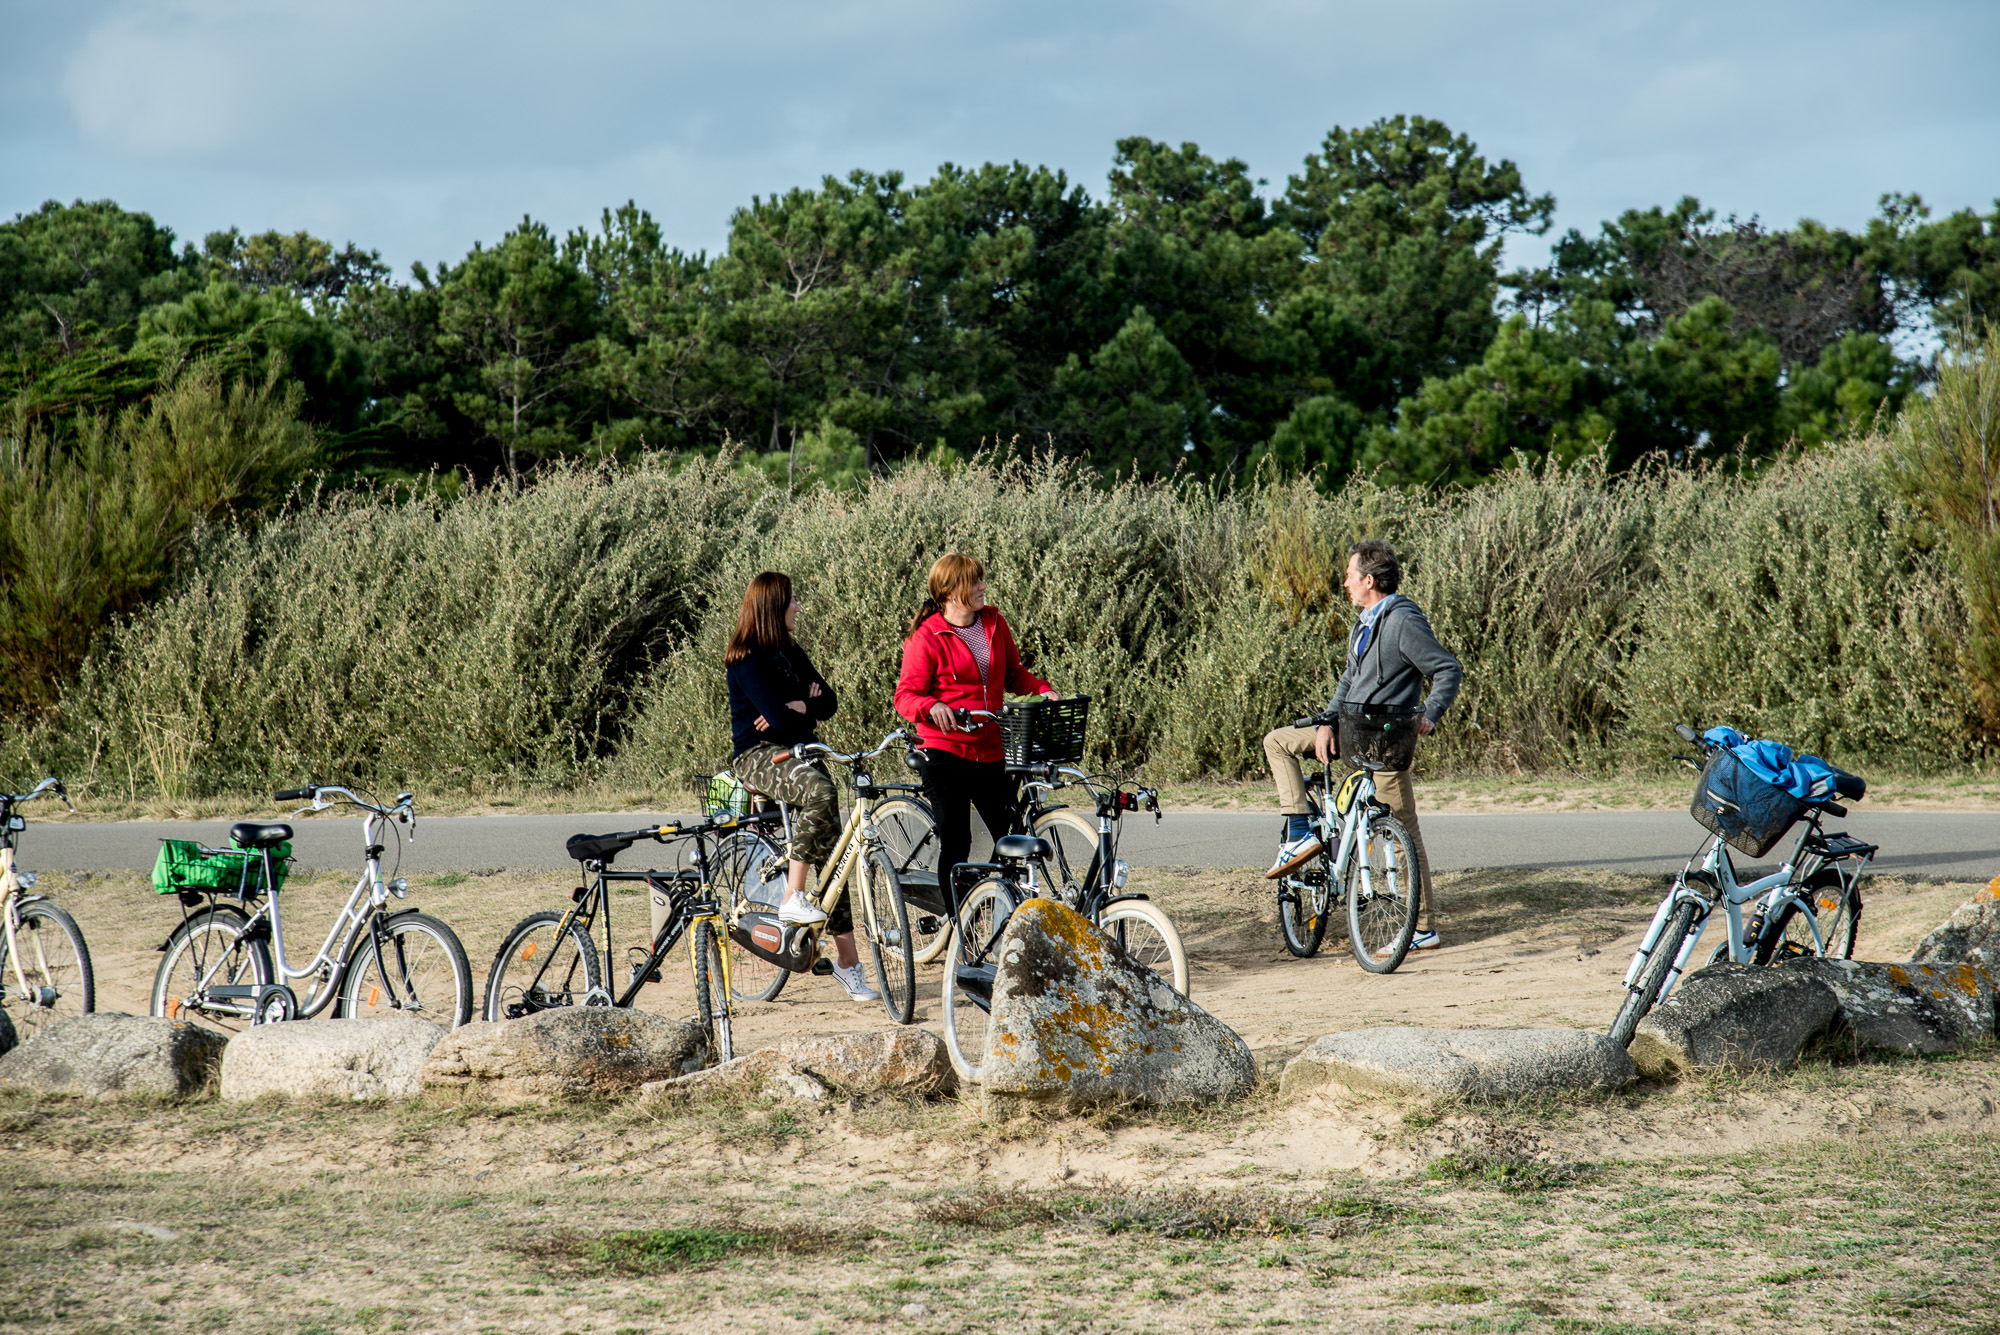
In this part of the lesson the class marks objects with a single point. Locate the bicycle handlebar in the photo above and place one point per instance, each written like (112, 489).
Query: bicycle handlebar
(314, 794)
(14, 799)
(854, 757)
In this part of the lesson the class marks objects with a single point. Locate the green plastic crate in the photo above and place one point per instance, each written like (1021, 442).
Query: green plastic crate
(182, 865)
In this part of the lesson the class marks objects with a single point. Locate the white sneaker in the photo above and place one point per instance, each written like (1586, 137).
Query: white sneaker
(1293, 854)
(855, 979)
(798, 911)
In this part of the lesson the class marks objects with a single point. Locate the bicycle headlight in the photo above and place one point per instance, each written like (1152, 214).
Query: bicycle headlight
(1121, 872)
(400, 888)
(26, 879)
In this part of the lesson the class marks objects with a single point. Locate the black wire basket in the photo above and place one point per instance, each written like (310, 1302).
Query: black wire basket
(1378, 739)
(1034, 733)
(1750, 815)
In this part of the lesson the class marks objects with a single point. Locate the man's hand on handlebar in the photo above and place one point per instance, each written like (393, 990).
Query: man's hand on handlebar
(1323, 745)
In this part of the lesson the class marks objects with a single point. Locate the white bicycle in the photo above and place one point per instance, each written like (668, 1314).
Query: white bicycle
(45, 973)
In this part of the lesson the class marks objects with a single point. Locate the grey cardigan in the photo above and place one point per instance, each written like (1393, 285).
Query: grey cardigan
(1402, 655)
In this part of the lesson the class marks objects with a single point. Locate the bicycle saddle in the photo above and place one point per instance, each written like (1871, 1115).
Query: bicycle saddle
(1021, 847)
(249, 834)
(597, 847)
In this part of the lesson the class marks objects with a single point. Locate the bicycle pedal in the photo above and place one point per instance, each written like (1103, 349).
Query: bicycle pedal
(822, 967)
(636, 959)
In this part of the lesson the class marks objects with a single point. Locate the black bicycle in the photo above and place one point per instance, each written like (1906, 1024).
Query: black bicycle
(986, 894)
(551, 959)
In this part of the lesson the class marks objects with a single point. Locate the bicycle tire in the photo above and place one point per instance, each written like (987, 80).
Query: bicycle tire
(885, 920)
(1837, 911)
(56, 963)
(738, 857)
(1382, 912)
(533, 971)
(1143, 930)
(1074, 841)
(209, 948)
(1640, 997)
(967, 1015)
(711, 992)
(1302, 914)
(908, 832)
(427, 974)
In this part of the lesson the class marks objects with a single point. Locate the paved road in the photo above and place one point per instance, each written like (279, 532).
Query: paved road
(1954, 845)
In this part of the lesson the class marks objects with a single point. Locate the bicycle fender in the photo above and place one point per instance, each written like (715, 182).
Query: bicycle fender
(1129, 894)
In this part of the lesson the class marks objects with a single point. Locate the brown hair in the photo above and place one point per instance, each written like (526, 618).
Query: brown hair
(954, 572)
(761, 623)
(1378, 561)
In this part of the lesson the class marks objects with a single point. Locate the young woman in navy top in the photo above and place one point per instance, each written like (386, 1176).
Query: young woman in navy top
(777, 700)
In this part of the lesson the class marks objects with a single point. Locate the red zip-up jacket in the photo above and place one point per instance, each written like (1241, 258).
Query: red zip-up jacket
(938, 668)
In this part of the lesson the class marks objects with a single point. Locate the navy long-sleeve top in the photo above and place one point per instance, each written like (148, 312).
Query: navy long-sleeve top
(763, 684)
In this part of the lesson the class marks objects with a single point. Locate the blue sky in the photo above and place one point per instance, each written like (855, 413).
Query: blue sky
(419, 126)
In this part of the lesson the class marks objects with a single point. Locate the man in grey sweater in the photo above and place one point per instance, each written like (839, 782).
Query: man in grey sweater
(1391, 652)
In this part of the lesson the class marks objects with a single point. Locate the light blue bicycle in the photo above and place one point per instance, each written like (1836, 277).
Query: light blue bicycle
(1810, 905)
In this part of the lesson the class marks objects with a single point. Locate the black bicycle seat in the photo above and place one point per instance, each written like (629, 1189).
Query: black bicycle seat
(1021, 847)
(597, 847)
(249, 834)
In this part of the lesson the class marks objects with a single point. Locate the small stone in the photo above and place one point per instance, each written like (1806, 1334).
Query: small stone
(1737, 1017)
(915, 1309)
(107, 1054)
(377, 1058)
(1459, 1063)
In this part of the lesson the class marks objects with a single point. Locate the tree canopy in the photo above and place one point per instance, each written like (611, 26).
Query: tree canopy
(1192, 318)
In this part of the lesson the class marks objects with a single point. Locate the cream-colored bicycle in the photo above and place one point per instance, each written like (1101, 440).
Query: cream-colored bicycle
(767, 952)
(44, 965)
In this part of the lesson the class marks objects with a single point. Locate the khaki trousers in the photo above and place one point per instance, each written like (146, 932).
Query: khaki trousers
(1284, 747)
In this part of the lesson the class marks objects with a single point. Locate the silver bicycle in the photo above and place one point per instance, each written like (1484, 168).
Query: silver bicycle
(226, 966)
(45, 973)
(1811, 905)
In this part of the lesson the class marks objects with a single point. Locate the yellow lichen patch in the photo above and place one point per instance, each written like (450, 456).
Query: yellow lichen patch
(1899, 975)
(1067, 926)
(1966, 979)
(1990, 893)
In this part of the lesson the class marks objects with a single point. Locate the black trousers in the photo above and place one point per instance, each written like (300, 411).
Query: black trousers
(953, 786)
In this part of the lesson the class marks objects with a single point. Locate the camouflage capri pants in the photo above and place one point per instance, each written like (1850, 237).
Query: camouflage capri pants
(801, 785)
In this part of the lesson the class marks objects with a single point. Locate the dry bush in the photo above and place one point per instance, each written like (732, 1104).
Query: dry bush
(574, 632)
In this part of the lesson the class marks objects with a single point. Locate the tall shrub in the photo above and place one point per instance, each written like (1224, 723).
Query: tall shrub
(1946, 459)
(90, 521)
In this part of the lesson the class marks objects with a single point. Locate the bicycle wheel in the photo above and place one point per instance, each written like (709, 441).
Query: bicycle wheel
(1382, 905)
(909, 836)
(1302, 909)
(1838, 913)
(969, 967)
(210, 950)
(534, 971)
(742, 862)
(1640, 997)
(56, 964)
(1148, 935)
(423, 972)
(1075, 840)
(711, 993)
(884, 919)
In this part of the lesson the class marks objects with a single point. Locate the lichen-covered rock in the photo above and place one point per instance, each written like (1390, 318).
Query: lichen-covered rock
(108, 1054)
(377, 1058)
(1734, 1016)
(1909, 1007)
(1077, 1021)
(895, 1061)
(575, 1052)
(1973, 929)
(1459, 1063)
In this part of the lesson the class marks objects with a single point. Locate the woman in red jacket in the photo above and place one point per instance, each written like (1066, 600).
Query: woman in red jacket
(961, 655)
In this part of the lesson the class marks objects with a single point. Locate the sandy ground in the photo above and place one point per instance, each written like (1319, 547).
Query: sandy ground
(1533, 949)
